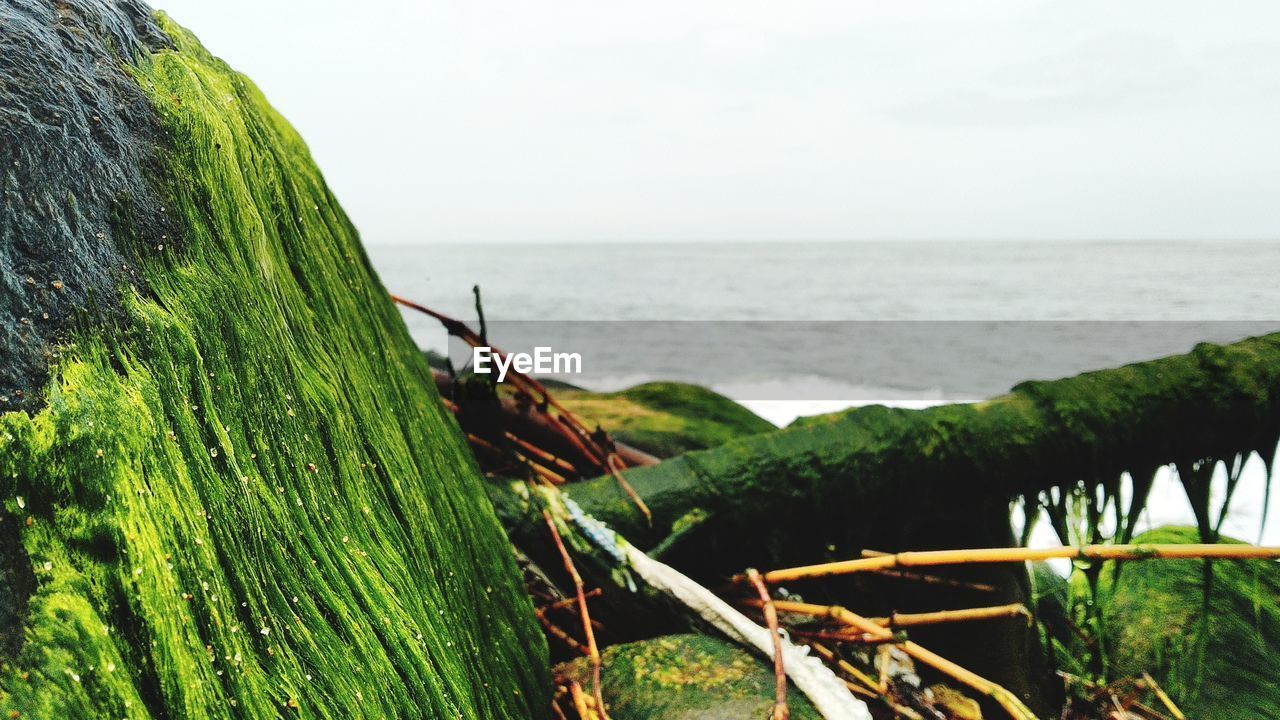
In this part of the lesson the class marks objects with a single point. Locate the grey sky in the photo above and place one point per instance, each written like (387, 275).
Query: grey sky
(476, 120)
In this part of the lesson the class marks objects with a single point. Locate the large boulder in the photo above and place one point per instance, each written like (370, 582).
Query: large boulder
(229, 488)
(1217, 663)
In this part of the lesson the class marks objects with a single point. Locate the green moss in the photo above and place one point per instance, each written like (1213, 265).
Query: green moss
(666, 418)
(1213, 402)
(1222, 664)
(245, 501)
(687, 677)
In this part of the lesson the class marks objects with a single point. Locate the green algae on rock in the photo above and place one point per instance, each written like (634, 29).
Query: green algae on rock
(665, 419)
(867, 463)
(241, 498)
(687, 677)
(1220, 664)
(894, 479)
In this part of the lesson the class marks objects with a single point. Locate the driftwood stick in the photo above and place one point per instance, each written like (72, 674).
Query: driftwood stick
(570, 602)
(1000, 695)
(616, 467)
(541, 455)
(1009, 555)
(826, 691)
(580, 701)
(937, 580)
(826, 654)
(592, 650)
(780, 711)
(904, 620)
(1165, 700)
(843, 636)
(559, 633)
(928, 579)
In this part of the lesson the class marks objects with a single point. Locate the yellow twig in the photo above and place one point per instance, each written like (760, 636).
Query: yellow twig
(616, 466)
(780, 711)
(1164, 699)
(558, 633)
(1000, 695)
(593, 651)
(580, 701)
(902, 620)
(826, 654)
(1007, 555)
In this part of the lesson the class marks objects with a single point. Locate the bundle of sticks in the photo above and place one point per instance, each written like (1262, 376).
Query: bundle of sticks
(521, 430)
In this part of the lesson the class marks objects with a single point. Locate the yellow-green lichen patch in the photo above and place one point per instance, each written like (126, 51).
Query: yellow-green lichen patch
(687, 677)
(665, 418)
(676, 663)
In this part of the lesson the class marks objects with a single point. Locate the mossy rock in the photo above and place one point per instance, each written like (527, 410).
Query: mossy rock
(1222, 664)
(229, 490)
(870, 463)
(666, 418)
(687, 677)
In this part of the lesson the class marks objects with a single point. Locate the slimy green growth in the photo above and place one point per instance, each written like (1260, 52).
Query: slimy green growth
(666, 418)
(241, 497)
(687, 677)
(1219, 662)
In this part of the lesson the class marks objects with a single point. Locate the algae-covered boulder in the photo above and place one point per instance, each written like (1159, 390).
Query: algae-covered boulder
(666, 418)
(869, 464)
(687, 677)
(229, 489)
(1222, 664)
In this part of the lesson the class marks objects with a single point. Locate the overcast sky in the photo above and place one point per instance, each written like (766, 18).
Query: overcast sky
(666, 120)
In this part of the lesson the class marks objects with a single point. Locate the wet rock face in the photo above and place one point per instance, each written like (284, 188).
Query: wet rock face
(78, 140)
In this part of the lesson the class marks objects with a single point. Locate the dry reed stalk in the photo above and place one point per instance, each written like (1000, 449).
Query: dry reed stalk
(580, 701)
(615, 468)
(592, 649)
(1007, 555)
(1000, 695)
(1165, 700)
(558, 633)
(570, 602)
(542, 455)
(843, 637)
(826, 654)
(780, 711)
(903, 620)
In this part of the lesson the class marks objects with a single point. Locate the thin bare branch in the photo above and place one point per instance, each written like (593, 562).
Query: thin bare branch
(1008, 555)
(780, 711)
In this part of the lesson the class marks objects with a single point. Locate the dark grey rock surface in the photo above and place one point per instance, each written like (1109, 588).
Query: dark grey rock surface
(77, 139)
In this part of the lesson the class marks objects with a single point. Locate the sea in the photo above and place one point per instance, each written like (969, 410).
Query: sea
(800, 328)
